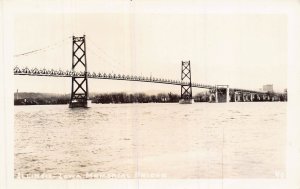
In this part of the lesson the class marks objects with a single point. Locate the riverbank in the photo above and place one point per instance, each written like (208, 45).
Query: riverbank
(104, 98)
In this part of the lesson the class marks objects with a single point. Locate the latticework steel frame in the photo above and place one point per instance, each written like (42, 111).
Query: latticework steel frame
(80, 90)
(186, 80)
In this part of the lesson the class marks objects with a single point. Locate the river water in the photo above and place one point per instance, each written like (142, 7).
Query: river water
(203, 140)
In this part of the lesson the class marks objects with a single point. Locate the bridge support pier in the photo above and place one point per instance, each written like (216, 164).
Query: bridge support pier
(244, 97)
(266, 97)
(258, 97)
(251, 97)
(212, 98)
(217, 97)
(248, 97)
(186, 83)
(79, 92)
(236, 96)
(222, 96)
(239, 96)
(227, 94)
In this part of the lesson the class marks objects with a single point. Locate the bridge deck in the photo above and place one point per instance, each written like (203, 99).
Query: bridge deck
(60, 73)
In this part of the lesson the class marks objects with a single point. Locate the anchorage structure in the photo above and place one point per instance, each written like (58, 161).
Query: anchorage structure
(80, 92)
(186, 83)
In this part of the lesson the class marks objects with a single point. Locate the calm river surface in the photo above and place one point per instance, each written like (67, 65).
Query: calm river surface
(203, 140)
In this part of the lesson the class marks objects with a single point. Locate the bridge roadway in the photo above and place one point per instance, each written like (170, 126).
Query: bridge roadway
(67, 73)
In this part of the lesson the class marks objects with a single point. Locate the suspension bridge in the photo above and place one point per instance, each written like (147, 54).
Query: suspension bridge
(80, 91)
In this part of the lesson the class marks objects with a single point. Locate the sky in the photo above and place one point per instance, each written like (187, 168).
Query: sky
(239, 50)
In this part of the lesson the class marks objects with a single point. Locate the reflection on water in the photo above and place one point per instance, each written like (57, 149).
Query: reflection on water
(233, 140)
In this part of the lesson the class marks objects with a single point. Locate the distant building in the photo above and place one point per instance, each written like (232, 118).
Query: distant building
(268, 88)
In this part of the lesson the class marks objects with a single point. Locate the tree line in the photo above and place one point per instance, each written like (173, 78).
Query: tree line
(107, 98)
(121, 97)
(144, 98)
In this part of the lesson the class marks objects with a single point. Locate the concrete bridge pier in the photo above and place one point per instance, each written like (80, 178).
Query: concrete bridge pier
(244, 97)
(234, 96)
(258, 97)
(266, 97)
(238, 96)
(275, 98)
(249, 97)
(216, 96)
(227, 94)
(252, 97)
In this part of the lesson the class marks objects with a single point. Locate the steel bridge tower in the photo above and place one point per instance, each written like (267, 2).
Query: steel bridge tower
(186, 83)
(80, 92)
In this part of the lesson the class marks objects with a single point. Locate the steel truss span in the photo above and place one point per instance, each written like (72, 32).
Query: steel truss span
(68, 73)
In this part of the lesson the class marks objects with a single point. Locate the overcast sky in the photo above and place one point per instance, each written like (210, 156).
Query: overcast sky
(242, 50)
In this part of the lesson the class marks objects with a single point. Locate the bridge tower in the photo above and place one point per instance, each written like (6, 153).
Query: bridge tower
(186, 83)
(79, 92)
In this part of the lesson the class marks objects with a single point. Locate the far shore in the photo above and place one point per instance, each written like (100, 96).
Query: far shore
(119, 98)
